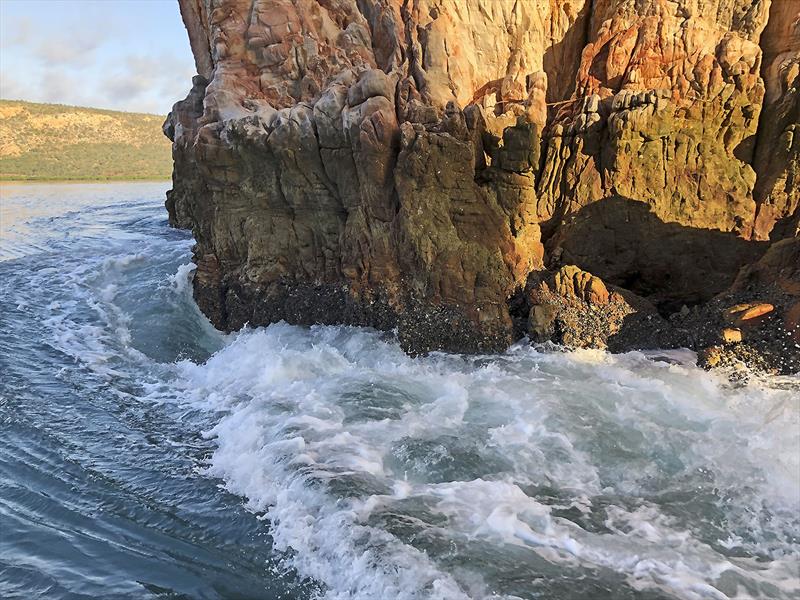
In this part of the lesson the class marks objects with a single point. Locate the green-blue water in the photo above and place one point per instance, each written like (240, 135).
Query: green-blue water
(143, 454)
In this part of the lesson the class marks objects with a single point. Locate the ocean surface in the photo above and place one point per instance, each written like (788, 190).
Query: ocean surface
(145, 455)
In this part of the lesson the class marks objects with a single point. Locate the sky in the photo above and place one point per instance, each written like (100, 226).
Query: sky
(128, 55)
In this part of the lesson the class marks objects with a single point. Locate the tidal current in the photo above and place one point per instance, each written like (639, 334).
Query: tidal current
(145, 455)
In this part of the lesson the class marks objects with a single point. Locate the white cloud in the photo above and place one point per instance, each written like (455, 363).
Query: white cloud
(58, 87)
(75, 49)
(19, 31)
(153, 82)
(88, 53)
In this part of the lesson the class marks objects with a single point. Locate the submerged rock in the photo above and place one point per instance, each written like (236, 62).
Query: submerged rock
(465, 172)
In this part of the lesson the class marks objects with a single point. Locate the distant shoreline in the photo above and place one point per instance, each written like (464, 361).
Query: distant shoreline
(45, 142)
(104, 180)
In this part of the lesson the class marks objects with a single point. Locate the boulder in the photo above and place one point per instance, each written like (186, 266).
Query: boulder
(576, 309)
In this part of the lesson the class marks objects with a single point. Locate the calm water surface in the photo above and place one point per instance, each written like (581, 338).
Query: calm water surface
(145, 455)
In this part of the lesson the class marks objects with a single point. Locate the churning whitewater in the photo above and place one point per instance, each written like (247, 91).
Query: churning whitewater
(144, 454)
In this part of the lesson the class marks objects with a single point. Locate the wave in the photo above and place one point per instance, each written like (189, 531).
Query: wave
(385, 476)
(534, 473)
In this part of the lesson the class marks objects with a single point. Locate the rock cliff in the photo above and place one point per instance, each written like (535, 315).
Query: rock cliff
(449, 169)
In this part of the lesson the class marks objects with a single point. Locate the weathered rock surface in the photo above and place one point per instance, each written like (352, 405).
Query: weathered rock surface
(575, 308)
(777, 157)
(466, 171)
(763, 305)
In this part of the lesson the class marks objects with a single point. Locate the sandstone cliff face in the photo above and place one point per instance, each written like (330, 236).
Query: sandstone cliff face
(777, 158)
(410, 165)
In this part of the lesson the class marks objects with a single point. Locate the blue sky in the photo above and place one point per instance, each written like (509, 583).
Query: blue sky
(120, 54)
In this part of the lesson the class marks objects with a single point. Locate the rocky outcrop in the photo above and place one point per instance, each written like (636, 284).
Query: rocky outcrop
(577, 309)
(429, 166)
(658, 146)
(756, 322)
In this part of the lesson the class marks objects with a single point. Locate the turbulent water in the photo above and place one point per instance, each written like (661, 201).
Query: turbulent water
(143, 454)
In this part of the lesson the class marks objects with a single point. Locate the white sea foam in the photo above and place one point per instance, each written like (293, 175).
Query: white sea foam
(530, 474)
(181, 281)
(385, 476)
(91, 287)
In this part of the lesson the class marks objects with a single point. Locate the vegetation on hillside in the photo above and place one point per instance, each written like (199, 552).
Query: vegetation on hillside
(57, 142)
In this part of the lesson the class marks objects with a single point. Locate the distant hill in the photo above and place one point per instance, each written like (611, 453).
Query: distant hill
(56, 142)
